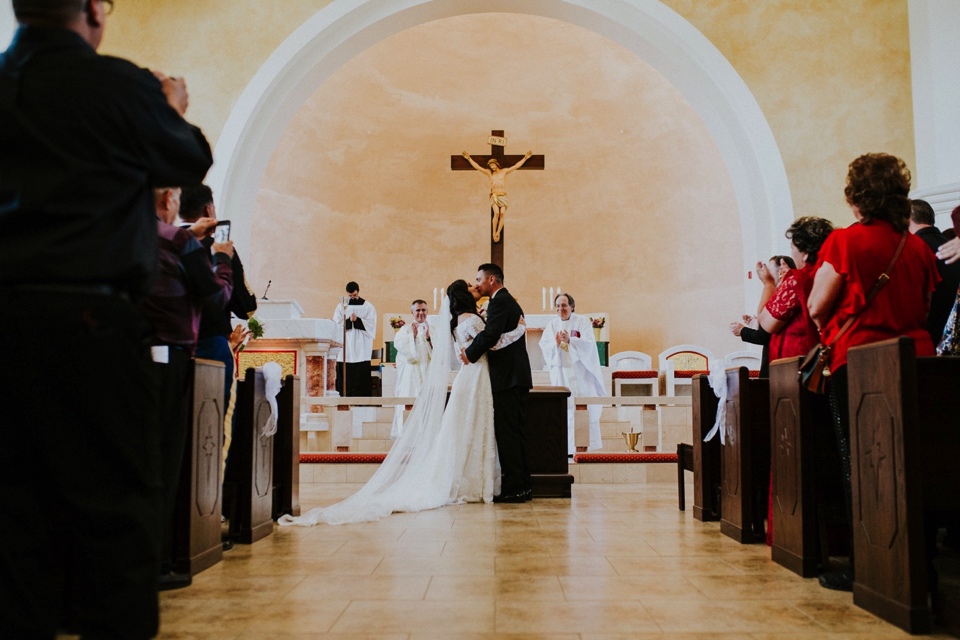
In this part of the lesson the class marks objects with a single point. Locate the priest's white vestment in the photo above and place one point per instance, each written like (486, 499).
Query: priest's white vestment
(577, 368)
(413, 356)
(359, 346)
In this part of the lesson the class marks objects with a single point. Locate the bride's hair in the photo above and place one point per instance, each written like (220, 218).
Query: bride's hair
(461, 301)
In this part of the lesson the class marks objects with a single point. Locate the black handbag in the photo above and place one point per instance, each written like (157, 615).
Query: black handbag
(815, 367)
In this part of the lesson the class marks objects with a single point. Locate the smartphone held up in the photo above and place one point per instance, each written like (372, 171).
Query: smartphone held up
(222, 231)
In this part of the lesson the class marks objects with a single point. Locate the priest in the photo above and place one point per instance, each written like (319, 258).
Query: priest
(414, 347)
(570, 352)
(360, 318)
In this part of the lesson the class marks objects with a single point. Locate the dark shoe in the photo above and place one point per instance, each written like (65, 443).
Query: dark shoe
(837, 580)
(227, 544)
(510, 498)
(528, 495)
(170, 581)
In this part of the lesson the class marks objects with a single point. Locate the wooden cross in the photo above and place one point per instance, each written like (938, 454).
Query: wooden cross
(497, 142)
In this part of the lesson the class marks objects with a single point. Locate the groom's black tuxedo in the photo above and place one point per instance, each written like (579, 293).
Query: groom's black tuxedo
(511, 380)
(510, 366)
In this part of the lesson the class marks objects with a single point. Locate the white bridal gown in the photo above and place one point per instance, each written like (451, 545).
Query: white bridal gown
(443, 456)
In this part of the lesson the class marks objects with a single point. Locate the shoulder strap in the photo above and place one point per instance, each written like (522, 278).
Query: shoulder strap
(881, 281)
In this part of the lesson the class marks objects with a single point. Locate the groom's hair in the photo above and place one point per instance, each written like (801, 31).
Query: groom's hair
(492, 270)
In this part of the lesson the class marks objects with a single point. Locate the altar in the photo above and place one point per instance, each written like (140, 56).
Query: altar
(303, 347)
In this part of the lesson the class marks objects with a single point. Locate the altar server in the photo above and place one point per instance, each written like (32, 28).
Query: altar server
(570, 351)
(361, 320)
(414, 347)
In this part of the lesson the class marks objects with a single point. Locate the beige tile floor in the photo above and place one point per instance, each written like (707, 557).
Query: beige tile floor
(614, 562)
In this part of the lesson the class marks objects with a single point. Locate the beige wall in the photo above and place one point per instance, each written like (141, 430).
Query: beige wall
(634, 214)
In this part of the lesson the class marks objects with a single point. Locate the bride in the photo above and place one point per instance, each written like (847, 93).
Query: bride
(444, 455)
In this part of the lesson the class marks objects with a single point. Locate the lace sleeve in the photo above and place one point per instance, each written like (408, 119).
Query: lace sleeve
(510, 337)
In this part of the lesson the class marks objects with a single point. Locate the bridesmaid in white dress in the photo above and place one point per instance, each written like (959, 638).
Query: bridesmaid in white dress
(447, 453)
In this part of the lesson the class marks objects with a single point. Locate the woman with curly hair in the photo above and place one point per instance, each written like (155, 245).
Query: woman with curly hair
(850, 263)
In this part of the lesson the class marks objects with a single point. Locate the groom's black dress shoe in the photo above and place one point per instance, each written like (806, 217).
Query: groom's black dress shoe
(510, 498)
(528, 495)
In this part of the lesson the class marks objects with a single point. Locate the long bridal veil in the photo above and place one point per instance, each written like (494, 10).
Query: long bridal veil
(418, 473)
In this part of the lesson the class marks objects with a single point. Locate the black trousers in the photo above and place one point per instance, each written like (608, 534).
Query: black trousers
(79, 469)
(174, 380)
(509, 406)
(359, 380)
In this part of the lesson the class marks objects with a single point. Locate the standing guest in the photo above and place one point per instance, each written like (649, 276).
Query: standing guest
(850, 263)
(414, 347)
(196, 208)
(184, 284)
(748, 329)
(360, 318)
(922, 219)
(83, 140)
(570, 351)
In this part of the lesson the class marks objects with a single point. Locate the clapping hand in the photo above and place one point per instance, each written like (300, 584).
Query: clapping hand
(763, 272)
(949, 251)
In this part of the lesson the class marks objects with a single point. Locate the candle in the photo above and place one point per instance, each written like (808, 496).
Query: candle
(551, 297)
(443, 294)
(434, 298)
(559, 290)
(544, 298)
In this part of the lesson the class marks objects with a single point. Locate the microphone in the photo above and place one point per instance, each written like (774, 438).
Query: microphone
(269, 282)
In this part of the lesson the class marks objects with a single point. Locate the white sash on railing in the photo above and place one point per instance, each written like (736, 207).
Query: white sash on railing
(272, 373)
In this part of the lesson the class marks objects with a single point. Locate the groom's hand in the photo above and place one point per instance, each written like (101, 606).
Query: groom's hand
(463, 357)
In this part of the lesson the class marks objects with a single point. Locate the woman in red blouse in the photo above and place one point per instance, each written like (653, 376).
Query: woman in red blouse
(783, 308)
(851, 261)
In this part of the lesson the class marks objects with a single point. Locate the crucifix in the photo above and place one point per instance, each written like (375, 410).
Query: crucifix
(496, 166)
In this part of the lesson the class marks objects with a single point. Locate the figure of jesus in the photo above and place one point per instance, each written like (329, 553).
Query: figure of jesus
(498, 189)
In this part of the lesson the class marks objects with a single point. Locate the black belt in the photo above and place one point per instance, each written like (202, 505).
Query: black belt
(61, 288)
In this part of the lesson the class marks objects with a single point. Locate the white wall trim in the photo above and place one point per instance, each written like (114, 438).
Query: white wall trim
(652, 31)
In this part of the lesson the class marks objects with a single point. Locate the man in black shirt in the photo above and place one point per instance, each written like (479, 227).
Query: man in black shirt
(922, 219)
(83, 140)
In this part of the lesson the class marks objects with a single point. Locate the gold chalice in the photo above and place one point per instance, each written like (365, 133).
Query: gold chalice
(632, 439)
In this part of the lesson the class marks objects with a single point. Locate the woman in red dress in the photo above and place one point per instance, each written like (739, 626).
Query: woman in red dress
(783, 308)
(851, 261)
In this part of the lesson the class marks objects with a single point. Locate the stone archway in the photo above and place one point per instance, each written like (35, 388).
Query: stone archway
(652, 31)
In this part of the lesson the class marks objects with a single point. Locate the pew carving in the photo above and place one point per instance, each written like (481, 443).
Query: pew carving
(196, 521)
(706, 455)
(806, 470)
(248, 480)
(904, 445)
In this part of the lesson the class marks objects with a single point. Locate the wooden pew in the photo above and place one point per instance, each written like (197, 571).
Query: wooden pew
(806, 469)
(249, 477)
(745, 456)
(706, 455)
(286, 450)
(904, 445)
(546, 429)
(196, 519)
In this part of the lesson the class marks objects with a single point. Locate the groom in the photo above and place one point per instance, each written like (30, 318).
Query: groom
(510, 379)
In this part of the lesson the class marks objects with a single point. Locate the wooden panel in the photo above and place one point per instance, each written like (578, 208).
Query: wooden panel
(196, 535)
(250, 468)
(706, 455)
(546, 428)
(745, 456)
(806, 470)
(904, 446)
(286, 451)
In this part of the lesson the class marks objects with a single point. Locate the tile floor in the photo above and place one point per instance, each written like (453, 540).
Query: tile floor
(614, 562)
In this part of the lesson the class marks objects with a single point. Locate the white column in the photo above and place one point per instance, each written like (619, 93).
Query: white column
(934, 52)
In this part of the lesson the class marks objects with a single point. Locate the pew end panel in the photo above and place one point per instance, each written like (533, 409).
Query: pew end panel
(286, 449)
(745, 457)
(706, 455)
(903, 441)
